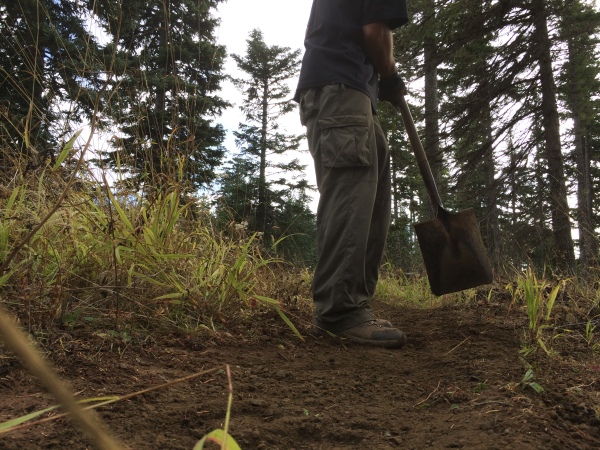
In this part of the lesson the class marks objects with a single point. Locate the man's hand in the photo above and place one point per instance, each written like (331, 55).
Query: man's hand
(391, 89)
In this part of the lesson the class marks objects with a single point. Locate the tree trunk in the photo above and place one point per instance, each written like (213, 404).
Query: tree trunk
(588, 246)
(261, 212)
(491, 195)
(432, 130)
(159, 152)
(514, 214)
(561, 225)
(395, 190)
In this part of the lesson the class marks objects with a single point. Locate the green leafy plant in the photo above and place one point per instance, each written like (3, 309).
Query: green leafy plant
(529, 381)
(221, 436)
(538, 297)
(589, 332)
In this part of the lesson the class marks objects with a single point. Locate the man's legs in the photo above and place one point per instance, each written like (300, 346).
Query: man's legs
(353, 176)
(380, 219)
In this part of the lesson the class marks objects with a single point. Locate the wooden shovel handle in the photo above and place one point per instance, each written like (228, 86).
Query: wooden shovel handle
(420, 155)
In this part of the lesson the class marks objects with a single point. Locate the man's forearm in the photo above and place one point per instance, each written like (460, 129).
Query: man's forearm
(379, 45)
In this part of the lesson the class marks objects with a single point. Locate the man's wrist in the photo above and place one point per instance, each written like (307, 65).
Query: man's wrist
(392, 72)
(393, 80)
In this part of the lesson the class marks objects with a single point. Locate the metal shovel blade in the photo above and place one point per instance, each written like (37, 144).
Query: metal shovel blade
(453, 251)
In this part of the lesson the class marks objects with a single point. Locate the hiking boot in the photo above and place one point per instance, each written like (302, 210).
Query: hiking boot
(373, 332)
(376, 334)
(384, 323)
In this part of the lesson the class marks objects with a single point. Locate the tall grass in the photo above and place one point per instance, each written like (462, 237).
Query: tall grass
(412, 290)
(538, 297)
(113, 252)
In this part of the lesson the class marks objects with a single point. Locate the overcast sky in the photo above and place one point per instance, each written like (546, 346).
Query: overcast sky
(281, 22)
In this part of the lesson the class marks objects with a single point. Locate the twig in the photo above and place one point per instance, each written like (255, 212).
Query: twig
(429, 396)
(111, 230)
(451, 350)
(489, 402)
(228, 414)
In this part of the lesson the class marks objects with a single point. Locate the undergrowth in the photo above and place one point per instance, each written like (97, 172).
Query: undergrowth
(412, 290)
(109, 255)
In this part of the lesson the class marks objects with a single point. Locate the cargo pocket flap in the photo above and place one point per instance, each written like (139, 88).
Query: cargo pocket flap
(343, 121)
(344, 141)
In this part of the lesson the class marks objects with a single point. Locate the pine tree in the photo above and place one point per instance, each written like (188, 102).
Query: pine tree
(517, 89)
(407, 189)
(47, 76)
(260, 187)
(266, 99)
(167, 69)
(561, 224)
(497, 65)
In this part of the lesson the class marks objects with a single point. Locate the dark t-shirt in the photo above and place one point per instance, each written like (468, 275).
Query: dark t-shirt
(334, 43)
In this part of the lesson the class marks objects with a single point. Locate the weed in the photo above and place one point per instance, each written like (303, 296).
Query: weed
(479, 388)
(539, 297)
(529, 381)
(221, 436)
(150, 258)
(589, 332)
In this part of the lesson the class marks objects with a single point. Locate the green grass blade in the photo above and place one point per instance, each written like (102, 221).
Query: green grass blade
(289, 323)
(4, 278)
(120, 211)
(6, 426)
(11, 201)
(174, 295)
(552, 299)
(536, 387)
(218, 437)
(268, 300)
(65, 151)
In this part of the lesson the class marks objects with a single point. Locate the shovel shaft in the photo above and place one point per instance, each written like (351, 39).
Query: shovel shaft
(420, 155)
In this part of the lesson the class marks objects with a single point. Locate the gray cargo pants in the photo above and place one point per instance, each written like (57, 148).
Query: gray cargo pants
(352, 165)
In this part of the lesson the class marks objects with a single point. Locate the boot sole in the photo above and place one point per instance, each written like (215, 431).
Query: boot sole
(393, 343)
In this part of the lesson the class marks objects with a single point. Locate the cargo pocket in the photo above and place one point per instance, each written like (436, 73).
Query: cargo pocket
(307, 108)
(344, 141)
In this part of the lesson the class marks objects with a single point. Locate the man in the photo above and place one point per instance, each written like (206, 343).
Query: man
(348, 64)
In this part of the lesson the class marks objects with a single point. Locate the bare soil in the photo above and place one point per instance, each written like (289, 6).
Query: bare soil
(457, 384)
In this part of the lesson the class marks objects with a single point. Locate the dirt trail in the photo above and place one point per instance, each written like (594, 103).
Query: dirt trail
(457, 384)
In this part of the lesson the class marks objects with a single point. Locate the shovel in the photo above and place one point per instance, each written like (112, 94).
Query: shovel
(451, 244)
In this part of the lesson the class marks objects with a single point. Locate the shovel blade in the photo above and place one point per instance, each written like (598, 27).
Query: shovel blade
(453, 251)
